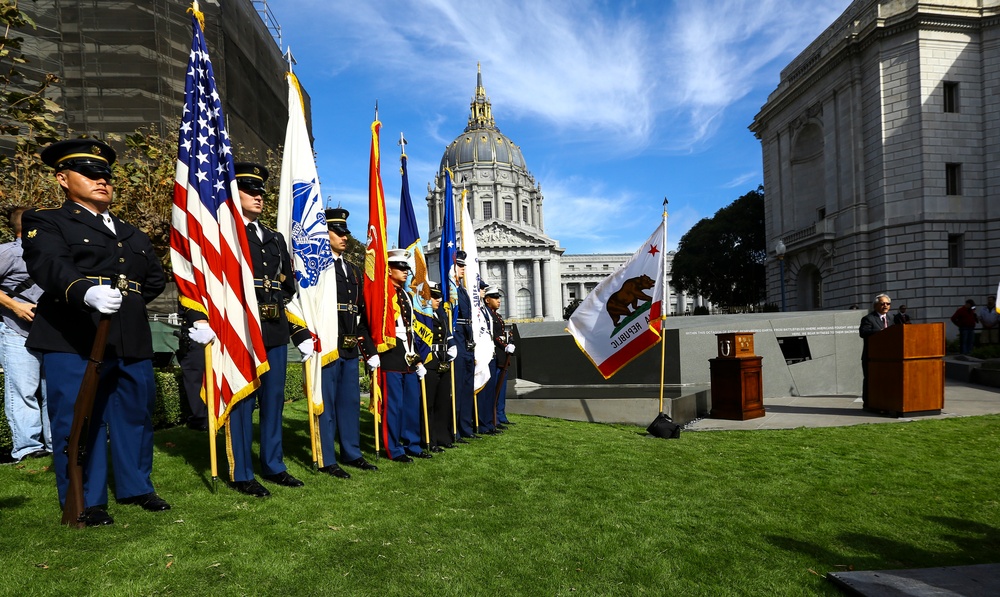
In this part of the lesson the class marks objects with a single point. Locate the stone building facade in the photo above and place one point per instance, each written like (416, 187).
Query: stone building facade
(877, 145)
(505, 204)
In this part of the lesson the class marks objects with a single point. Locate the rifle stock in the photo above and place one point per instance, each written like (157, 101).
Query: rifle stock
(76, 450)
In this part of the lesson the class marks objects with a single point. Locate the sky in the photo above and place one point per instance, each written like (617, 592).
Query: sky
(614, 104)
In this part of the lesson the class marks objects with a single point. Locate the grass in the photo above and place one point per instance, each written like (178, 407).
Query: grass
(549, 508)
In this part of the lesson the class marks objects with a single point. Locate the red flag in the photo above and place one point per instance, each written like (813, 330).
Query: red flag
(208, 245)
(378, 292)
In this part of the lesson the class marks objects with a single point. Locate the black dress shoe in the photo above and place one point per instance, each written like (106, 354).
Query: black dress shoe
(335, 471)
(251, 487)
(491, 432)
(283, 478)
(508, 422)
(501, 426)
(404, 459)
(436, 449)
(40, 453)
(473, 436)
(362, 464)
(96, 516)
(448, 446)
(461, 440)
(423, 455)
(149, 502)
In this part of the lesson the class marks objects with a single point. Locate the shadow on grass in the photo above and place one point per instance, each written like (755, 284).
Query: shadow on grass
(14, 501)
(975, 543)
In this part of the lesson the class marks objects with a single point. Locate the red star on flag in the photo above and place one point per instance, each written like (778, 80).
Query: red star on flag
(653, 250)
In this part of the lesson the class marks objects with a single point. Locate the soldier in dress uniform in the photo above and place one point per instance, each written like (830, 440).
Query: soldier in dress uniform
(90, 265)
(465, 364)
(275, 285)
(496, 395)
(403, 370)
(341, 418)
(438, 378)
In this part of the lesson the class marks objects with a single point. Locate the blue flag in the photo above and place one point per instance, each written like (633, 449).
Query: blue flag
(449, 245)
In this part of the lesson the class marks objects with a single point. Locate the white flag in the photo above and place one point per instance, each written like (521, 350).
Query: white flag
(481, 327)
(302, 219)
(620, 318)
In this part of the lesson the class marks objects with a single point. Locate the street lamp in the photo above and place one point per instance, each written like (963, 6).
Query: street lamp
(779, 252)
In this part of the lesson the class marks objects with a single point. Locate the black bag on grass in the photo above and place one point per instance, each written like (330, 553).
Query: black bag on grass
(664, 427)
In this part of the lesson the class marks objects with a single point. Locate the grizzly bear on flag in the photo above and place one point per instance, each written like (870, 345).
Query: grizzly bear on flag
(626, 299)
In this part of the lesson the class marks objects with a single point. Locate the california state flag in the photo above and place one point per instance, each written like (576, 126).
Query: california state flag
(622, 317)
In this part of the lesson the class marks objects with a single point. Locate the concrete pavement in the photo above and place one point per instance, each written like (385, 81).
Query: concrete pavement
(789, 412)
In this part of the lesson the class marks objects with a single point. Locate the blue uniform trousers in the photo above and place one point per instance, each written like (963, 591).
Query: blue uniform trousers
(270, 398)
(401, 423)
(485, 401)
(126, 395)
(465, 368)
(341, 418)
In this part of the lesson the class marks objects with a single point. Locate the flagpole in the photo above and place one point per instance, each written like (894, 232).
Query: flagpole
(663, 306)
(423, 404)
(212, 420)
(317, 450)
(475, 394)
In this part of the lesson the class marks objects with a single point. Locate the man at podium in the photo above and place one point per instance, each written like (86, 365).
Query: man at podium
(876, 321)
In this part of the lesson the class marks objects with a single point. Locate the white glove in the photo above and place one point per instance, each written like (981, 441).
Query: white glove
(510, 349)
(201, 332)
(307, 349)
(374, 362)
(103, 298)
(421, 370)
(452, 353)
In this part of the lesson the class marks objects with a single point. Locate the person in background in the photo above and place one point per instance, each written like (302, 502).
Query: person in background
(901, 317)
(24, 386)
(965, 318)
(990, 320)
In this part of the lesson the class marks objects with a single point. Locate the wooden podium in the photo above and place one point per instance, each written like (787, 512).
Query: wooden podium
(906, 369)
(737, 384)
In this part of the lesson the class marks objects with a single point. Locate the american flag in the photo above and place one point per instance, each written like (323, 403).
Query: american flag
(208, 245)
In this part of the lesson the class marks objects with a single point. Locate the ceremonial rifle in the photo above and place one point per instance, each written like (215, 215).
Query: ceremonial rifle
(79, 434)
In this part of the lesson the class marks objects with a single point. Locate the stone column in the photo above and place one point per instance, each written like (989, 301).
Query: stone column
(536, 275)
(509, 290)
(551, 285)
(484, 268)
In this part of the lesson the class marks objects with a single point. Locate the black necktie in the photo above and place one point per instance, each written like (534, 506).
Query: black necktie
(252, 229)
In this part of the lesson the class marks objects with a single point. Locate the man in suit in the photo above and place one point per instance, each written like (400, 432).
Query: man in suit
(341, 418)
(465, 364)
(275, 285)
(92, 265)
(876, 321)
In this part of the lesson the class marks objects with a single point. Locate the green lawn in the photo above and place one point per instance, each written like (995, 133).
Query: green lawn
(549, 508)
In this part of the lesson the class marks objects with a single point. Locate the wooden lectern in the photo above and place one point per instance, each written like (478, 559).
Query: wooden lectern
(906, 369)
(737, 384)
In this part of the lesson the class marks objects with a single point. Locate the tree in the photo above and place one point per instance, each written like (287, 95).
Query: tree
(28, 120)
(722, 258)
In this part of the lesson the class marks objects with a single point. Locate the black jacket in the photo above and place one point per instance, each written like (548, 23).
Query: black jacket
(64, 246)
(275, 285)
